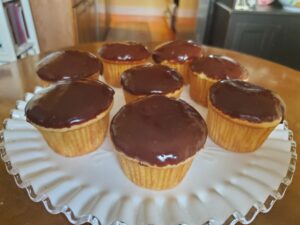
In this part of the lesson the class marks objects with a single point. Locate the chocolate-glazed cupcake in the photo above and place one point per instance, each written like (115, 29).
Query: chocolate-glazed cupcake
(72, 116)
(177, 55)
(208, 70)
(156, 139)
(149, 79)
(69, 64)
(241, 115)
(118, 57)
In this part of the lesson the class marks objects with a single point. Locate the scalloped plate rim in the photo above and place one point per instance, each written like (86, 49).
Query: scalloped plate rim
(67, 211)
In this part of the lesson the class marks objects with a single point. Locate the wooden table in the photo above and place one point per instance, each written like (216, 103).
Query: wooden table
(18, 78)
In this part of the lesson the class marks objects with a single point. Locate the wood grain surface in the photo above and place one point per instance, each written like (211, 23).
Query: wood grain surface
(18, 78)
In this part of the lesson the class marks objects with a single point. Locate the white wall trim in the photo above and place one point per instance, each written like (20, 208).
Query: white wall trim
(140, 11)
(188, 13)
(136, 11)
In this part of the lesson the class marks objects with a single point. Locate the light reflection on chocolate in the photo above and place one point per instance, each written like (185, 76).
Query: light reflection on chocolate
(179, 51)
(158, 131)
(124, 51)
(246, 101)
(68, 64)
(151, 79)
(69, 103)
(219, 67)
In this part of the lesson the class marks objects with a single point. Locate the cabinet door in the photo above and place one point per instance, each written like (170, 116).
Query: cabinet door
(254, 38)
(92, 18)
(86, 17)
(54, 23)
(81, 18)
(290, 44)
(271, 36)
(219, 25)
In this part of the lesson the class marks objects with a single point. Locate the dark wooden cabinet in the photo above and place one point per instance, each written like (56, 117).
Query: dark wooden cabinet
(253, 37)
(269, 32)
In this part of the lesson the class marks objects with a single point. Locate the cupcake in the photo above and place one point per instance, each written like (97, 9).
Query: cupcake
(149, 79)
(242, 115)
(69, 64)
(156, 139)
(208, 70)
(118, 57)
(72, 116)
(177, 55)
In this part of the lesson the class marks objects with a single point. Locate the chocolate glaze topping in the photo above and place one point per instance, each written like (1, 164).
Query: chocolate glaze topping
(68, 65)
(151, 79)
(178, 51)
(158, 130)
(126, 51)
(219, 67)
(69, 103)
(246, 101)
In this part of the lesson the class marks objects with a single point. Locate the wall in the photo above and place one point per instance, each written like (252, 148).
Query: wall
(187, 8)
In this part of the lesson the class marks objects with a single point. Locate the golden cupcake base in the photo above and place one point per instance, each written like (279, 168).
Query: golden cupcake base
(78, 139)
(235, 134)
(199, 87)
(114, 69)
(153, 177)
(131, 97)
(45, 83)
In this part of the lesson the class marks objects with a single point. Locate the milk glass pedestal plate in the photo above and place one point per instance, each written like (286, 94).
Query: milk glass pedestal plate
(221, 186)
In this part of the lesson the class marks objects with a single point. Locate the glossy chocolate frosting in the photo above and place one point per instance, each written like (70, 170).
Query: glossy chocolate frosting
(219, 67)
(246, 101)
(158, 131)
(69, 103)
(178, 51)
(68, 65)
(151, 79)
(126, 51)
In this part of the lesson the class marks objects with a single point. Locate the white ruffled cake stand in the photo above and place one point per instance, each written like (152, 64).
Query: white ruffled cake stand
(221, 187)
